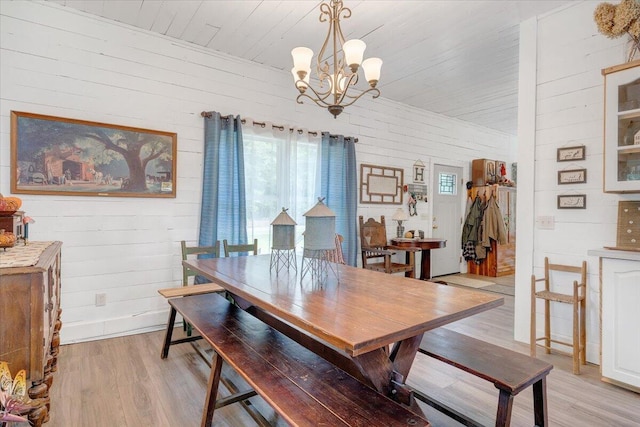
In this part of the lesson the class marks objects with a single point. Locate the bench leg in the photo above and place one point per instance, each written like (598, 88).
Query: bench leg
(168, 333)
(540, 402)
(505, 404)
(212, 391)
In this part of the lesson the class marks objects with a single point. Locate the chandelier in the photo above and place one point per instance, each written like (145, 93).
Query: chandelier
(336, 65)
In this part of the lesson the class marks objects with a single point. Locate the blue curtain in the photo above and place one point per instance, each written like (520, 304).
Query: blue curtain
(224, 206)
(338, 184)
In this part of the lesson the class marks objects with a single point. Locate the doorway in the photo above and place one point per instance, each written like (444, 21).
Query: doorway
(447, 219)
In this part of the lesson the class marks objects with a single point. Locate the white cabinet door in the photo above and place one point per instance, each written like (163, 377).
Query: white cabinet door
(621, 321)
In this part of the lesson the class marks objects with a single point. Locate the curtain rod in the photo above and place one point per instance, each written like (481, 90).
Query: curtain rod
(263, 124)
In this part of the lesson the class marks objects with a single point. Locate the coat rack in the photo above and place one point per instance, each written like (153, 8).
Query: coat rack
(484, 192)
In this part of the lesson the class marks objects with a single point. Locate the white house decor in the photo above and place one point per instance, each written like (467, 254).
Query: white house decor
(283, 245)
(319, 240)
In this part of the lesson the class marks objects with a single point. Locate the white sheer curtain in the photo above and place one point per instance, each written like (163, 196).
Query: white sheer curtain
(281, 167)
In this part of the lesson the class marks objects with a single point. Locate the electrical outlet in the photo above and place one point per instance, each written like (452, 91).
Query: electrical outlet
(101, 299)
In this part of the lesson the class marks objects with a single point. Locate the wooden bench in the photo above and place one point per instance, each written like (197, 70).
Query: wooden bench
(303, 388)
(509, 371)
(182, 291)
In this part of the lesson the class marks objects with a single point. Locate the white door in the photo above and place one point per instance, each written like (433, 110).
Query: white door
(447, 219)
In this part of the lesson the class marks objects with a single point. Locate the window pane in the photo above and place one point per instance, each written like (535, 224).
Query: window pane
(279, 173)
(447, 184)
(260, 160)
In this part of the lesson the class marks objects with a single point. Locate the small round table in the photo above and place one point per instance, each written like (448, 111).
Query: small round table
(425, 246)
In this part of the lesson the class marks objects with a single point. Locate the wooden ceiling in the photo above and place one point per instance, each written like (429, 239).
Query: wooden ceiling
(456, 57)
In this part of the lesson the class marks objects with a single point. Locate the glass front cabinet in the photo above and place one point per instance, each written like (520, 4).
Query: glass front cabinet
(622, 128)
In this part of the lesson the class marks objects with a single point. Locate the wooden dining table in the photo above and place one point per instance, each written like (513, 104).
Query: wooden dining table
(369, 324)
(425, 245)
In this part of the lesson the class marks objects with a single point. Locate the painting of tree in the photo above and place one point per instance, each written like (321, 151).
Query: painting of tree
(52, 155)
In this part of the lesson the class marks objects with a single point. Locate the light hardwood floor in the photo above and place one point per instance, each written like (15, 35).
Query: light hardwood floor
(123, 382)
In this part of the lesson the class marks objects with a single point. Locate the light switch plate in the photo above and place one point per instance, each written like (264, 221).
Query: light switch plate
(545, 222)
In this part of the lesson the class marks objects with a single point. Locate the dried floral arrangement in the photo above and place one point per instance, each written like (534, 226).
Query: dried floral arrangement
(616, 20)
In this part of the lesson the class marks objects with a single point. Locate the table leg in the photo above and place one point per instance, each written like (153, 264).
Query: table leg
(425, 263)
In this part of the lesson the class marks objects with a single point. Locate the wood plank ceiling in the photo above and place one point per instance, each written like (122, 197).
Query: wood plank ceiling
(458, 58)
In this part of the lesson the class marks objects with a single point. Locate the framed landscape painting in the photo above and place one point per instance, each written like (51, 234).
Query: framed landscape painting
(61, 156)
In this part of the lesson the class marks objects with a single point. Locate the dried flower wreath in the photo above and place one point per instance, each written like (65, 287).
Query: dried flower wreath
(615, 20)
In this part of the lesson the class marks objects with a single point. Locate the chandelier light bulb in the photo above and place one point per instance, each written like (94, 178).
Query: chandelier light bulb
(301, 59)
(353, 53)
(342, 81)
(303, 83)
(371, 69)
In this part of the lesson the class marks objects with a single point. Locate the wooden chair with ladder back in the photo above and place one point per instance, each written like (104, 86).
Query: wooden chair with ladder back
(377, 254)
(240, 248)
(188, 289)
(337, 255)
(577, 298)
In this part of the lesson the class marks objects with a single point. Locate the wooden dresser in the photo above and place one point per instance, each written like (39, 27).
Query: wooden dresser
(30, 322)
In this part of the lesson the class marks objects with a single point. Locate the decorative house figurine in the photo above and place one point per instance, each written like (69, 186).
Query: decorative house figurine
(319, 239)
(636, 138)
(283, 246)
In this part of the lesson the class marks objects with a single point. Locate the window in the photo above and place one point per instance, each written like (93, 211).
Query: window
(447, 184)
(280, 171)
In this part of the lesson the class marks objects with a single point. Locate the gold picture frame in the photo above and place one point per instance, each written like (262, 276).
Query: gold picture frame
(70, 157)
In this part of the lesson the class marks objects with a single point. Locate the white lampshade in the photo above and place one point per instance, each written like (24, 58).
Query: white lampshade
(353, 51)
(400, 215)
(371, 67)
(300, 85)
(302, 58)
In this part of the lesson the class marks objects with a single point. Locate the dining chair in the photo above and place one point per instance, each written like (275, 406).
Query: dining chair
(196, 251)
(240, 249)
(377, 254)
(337, 255)
(577, 299)
(212, 251)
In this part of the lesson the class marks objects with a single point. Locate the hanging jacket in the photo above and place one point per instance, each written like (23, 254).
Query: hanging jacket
(493, 225)
(471, 227)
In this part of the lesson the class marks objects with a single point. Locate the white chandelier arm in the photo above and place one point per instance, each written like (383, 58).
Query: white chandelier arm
(321, 102)
(372, 89)
(320, 98)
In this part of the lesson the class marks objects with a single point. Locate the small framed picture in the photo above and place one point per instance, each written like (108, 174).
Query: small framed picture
(572, 201)
(568, 154)
(574, 176)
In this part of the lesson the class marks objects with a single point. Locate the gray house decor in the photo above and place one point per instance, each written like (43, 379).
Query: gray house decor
(319, 239)
(283, 245)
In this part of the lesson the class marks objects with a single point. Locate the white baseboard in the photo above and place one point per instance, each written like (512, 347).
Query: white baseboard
(110, 328)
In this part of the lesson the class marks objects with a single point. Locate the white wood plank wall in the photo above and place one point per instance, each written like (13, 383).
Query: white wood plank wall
(569, 111)
(65, 63)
